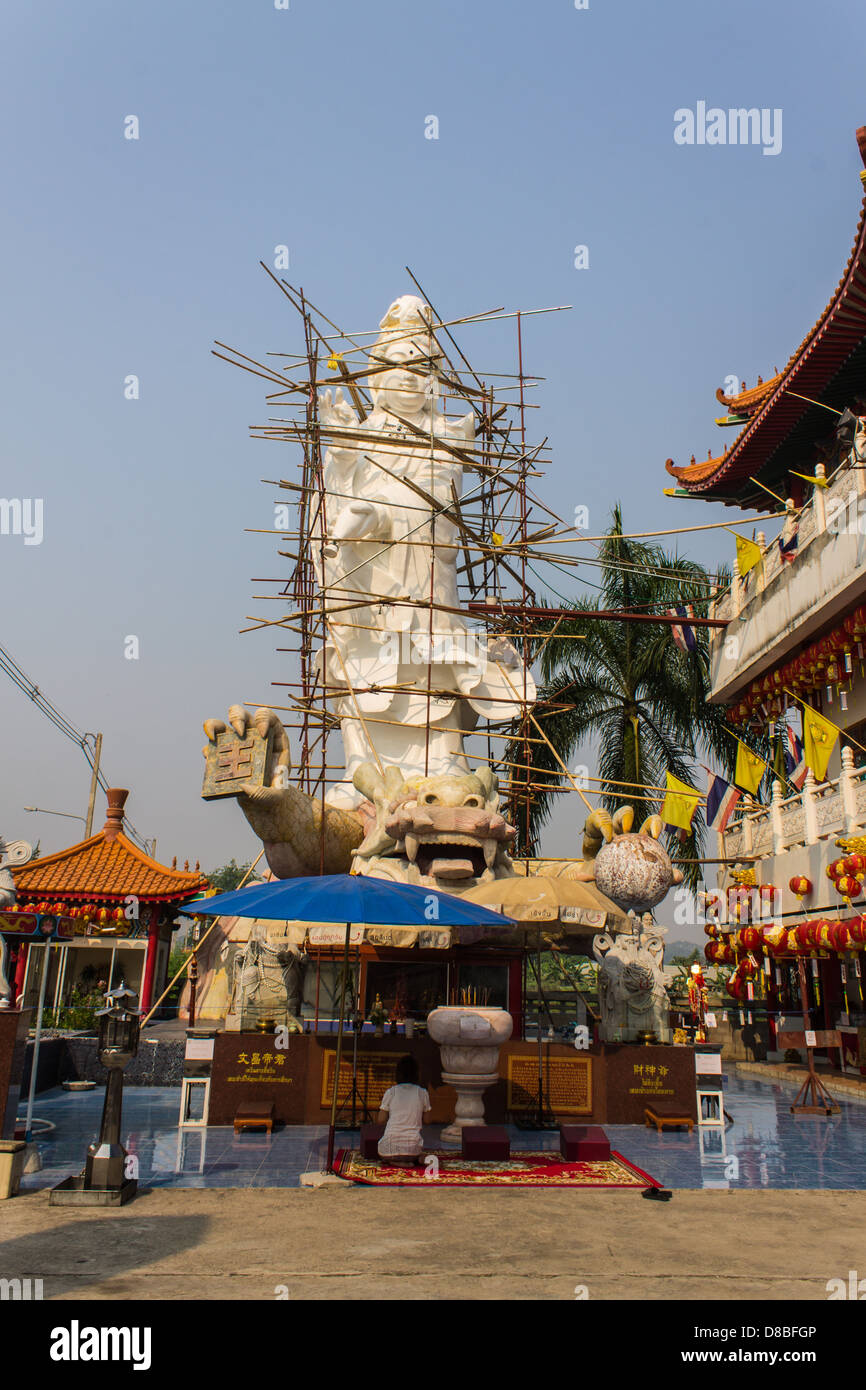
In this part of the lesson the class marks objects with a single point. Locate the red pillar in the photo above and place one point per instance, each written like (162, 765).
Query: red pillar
(150, 962)
(20, 967)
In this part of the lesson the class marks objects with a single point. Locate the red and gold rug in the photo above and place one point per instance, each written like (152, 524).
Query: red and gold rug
(523, 1169)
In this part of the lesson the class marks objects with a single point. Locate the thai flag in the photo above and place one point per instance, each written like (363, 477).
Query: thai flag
(683, 633)
(795, 763)
(788, 548)
(722, 797)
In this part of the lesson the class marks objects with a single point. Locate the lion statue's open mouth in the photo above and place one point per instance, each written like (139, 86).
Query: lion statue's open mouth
(450, 842)
(435, 830)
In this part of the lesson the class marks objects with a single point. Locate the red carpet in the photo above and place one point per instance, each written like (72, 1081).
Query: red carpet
(523, 1169)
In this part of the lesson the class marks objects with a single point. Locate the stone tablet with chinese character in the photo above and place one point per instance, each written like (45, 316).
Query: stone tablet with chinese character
(233, 760)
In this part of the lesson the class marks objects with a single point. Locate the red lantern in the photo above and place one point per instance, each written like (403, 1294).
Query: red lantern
(839, 936)
(774, 939)
(849, 886)
(800, 885)
(857, 931)
(836, 869)
(855, 865)
(807, 935)
(749, 938)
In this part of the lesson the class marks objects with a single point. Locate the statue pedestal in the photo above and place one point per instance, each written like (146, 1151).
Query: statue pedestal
(14, 1025)
(469, 1041)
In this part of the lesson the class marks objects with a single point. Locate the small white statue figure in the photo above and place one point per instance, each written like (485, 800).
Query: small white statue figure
(631, 989)
(17, 853)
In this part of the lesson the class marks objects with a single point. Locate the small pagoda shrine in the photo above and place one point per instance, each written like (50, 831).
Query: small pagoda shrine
(123, 904)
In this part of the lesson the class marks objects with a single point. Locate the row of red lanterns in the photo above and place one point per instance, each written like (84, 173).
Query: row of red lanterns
(829, 662)
(802, 939)
(81, 912)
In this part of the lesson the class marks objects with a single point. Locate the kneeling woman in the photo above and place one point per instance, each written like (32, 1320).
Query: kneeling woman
(405, 1107)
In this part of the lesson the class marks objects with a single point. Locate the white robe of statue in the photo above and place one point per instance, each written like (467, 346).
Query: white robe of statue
(378, 542)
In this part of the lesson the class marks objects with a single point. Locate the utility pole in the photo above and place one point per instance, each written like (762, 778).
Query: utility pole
(94, 782)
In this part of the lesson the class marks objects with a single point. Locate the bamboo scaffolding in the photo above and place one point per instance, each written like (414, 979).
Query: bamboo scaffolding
(502, 530)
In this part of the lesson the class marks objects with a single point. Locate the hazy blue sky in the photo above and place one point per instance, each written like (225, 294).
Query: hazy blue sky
(305, 127)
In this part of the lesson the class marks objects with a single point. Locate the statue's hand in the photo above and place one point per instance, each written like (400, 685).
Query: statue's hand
(336, 412)
(287, 820)
(264, 719)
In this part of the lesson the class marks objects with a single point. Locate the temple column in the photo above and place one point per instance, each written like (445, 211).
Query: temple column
(20, 971)
(150, 961)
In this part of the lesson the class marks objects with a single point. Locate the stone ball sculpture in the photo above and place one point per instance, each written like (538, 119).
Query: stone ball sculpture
(635, 872)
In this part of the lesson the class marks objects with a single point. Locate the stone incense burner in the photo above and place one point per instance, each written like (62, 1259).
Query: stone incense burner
(469, 1040)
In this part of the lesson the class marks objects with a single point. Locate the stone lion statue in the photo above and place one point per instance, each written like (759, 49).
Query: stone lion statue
(631, 990)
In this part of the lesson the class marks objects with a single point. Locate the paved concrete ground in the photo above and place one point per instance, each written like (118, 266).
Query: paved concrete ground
(353, 1243)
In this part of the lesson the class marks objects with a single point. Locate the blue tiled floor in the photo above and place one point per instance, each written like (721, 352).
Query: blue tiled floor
(766, 1146)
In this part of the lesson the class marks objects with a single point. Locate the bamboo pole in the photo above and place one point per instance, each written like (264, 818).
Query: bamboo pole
(197, 947)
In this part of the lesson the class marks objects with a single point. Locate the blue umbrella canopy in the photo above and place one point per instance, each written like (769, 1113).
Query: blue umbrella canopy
(348, 898)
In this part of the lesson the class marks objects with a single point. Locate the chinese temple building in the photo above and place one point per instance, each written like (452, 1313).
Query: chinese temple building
(123, 903)
(793, 643)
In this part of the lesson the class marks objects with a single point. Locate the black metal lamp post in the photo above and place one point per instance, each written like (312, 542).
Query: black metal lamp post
(118, 1044)
(104, 1180)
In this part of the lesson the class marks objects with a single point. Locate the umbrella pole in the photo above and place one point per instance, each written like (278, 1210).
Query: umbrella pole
(339, 1057)
(540, 1117)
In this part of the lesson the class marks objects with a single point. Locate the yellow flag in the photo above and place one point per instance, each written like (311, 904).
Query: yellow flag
(748, 555)
(679, 804)
(819, 740)
(749, 770)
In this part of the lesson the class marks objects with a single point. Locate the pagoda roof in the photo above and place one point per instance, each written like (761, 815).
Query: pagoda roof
(107, 867)
(828, 367)
(749, 400)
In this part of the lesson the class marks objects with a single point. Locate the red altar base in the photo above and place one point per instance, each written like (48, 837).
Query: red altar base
(608, 1084)
(523, 1169)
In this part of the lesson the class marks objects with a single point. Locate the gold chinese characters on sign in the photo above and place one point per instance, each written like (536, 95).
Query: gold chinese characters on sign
(261, 1066)
(566, 1083)
(650, 1079)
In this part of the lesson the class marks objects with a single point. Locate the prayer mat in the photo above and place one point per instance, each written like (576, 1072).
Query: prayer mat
(446, 1168)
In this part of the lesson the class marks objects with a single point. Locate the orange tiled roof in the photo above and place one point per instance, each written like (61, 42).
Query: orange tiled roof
(100, 868)
(747, 401)
(696, 472)
(773, 408)
(105, 867)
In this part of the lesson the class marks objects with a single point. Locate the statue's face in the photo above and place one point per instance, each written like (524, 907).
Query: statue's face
(398, 389)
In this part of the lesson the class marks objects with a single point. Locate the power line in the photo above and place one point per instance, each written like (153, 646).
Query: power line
(66, 727)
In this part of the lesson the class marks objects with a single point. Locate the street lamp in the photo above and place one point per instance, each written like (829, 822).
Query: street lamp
(42, 812)
(104, 1181)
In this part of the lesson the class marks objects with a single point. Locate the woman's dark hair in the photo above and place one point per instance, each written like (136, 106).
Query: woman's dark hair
(407, 1071)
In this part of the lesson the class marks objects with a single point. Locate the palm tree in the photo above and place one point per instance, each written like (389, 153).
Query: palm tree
(626, 686)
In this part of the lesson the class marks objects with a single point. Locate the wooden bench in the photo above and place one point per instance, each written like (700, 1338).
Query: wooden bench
(583, 1143)
(667, 1115)
(255, 1114)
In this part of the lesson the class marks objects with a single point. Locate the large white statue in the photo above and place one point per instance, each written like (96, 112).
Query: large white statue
(404, 658)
